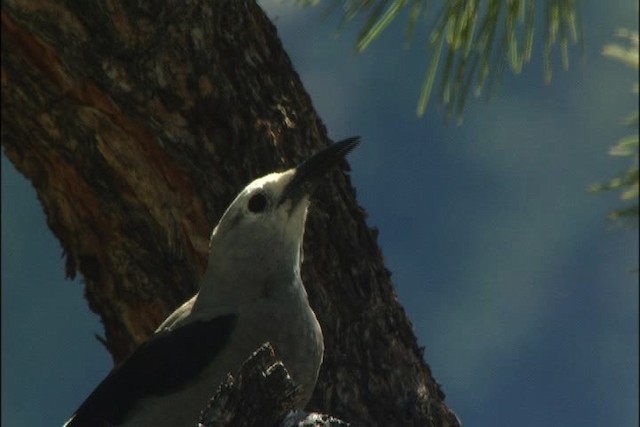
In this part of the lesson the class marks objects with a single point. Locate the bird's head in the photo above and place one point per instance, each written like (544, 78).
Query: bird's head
(259, 237)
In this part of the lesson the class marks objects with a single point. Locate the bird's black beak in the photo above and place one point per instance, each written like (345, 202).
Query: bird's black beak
(307, 174)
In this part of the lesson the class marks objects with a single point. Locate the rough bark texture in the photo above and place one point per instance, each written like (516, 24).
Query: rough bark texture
(261, 394)
(137, 122)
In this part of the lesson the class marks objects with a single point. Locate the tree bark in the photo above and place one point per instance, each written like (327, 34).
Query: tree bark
(262, 385)
(261, 394)
(138, 122)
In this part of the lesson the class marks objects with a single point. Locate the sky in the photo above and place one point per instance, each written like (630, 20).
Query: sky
(523, 294)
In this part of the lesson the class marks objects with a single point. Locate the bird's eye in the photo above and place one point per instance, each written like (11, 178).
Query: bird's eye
(257, 203)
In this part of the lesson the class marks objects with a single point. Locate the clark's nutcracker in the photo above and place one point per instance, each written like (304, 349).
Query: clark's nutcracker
(251, 293)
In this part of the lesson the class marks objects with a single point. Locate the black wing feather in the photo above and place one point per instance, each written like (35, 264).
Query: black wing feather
(165, 363)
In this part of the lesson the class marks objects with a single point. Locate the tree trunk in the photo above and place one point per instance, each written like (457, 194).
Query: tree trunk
(138, 122)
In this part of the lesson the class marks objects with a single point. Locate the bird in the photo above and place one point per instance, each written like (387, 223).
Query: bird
(251, 293)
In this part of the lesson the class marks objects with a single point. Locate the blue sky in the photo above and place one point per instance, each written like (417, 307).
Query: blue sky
(523, 294)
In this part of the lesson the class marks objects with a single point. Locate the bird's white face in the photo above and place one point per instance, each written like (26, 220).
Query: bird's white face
(255, 250)
(259, 237)
(260, 206)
